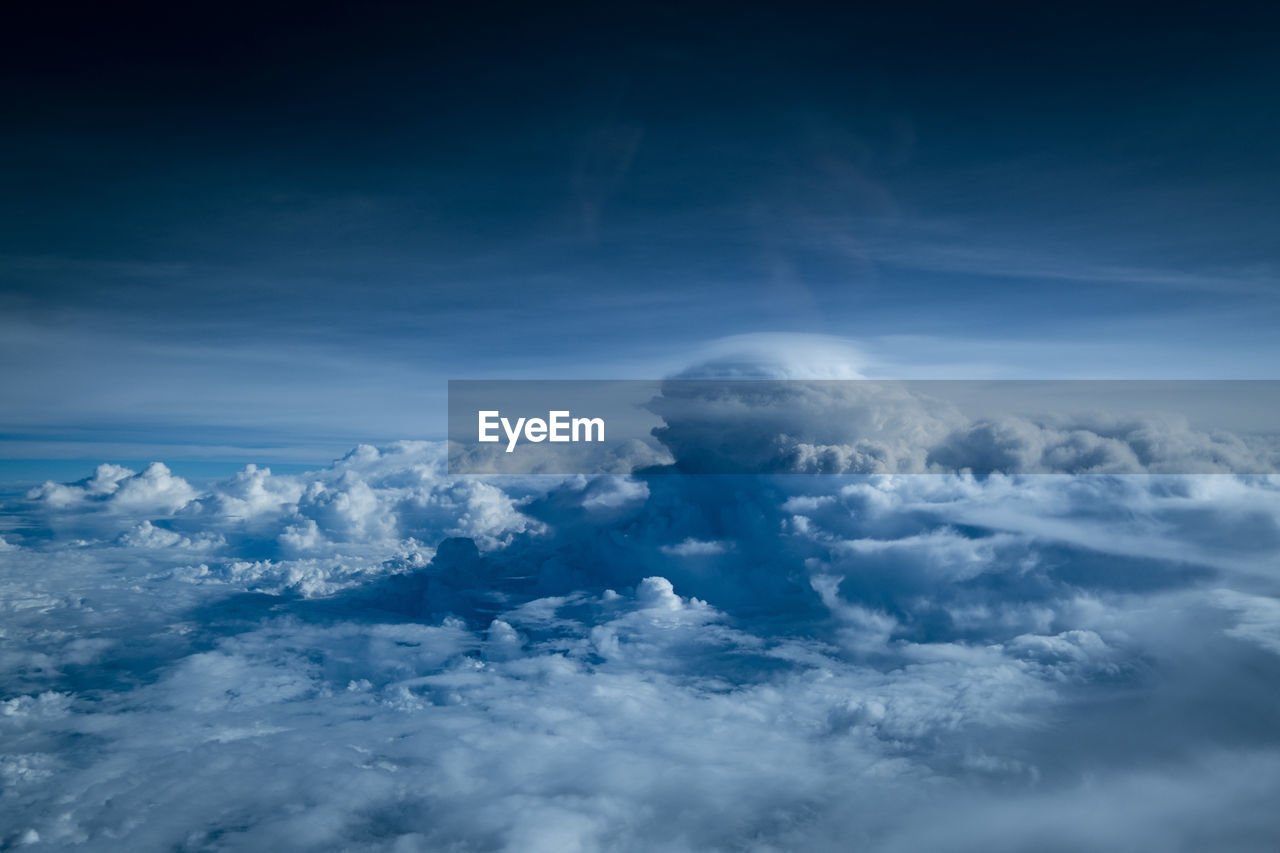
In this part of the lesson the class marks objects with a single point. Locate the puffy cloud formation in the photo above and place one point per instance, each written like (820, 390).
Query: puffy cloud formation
(777, 425)
(375, 656)
(114, 488)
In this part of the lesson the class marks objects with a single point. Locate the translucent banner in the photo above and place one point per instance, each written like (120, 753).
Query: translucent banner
(697, 426)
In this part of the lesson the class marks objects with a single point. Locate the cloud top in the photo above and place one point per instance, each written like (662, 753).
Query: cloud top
(378, 656)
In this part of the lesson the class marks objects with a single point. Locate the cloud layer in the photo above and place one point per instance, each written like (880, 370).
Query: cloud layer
(375, 656)
(818, 426)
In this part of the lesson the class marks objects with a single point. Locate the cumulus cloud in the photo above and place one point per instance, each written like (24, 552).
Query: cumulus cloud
(115, 488)
(1100, 445)
(377, 656)
(817, 426)
(147, 535)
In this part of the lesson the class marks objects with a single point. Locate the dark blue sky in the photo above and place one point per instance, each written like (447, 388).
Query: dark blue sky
(268, 232)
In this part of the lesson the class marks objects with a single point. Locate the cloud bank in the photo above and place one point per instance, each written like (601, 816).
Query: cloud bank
(376, 656)
(776, 424)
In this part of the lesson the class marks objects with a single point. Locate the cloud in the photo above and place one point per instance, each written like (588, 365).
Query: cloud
(777, 355)
(1259, 620)
(801, 427)
(1100, 445)
(696, 548)
(115, 488)
(148, 535)
(770, 426)
(376, 656)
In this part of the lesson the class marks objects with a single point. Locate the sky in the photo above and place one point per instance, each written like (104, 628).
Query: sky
(246, 602)
(214, 217)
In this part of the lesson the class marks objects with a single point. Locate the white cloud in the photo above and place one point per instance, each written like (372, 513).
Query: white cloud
(1259, 617)
(696, 548)
(884, 427)
(375, 656)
